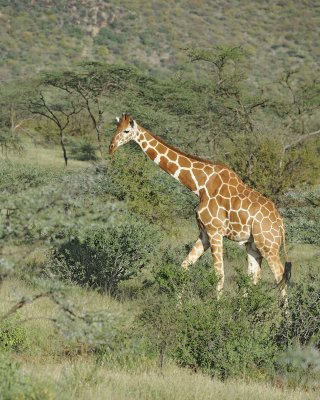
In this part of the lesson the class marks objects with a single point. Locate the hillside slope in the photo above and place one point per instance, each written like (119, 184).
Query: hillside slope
(151, 35)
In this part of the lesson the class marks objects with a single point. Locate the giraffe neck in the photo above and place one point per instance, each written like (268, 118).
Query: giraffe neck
(190, 171)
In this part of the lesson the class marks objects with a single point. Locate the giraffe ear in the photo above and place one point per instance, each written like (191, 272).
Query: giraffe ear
(117, 119)
(131, 122)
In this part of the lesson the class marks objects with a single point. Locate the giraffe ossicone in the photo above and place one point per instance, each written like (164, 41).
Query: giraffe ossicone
(227, 206)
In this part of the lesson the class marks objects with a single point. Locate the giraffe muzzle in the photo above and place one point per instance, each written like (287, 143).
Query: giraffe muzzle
(112, 148)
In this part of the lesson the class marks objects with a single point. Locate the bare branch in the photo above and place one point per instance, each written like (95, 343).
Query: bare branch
(300, 139)
(21, 303)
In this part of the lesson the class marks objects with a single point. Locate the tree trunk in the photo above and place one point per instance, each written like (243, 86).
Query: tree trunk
(63, 149)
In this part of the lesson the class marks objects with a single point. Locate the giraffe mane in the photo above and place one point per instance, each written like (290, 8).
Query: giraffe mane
(181, 152)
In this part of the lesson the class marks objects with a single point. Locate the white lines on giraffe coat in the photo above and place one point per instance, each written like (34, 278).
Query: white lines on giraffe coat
(227, 206)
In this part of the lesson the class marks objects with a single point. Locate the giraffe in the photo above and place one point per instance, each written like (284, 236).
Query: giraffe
(227, 206)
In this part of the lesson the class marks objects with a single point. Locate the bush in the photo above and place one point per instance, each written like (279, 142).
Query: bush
(149, 191)
(103, 257)
(19, 176)
(260, 162)
(231, 337)
(302, 213)
(12, 335)
(83, 151)
(302, 327)
(244, 334)
(300, 366)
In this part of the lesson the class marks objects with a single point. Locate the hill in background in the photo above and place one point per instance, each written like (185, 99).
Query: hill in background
(151, 34)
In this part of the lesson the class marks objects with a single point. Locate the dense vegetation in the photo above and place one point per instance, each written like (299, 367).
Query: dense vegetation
(91, 245)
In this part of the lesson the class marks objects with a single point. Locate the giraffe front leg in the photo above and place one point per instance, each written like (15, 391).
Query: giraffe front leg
(201, 245)
(216, 246)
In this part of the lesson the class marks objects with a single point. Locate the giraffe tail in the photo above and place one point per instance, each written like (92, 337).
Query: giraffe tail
(287, 265)
(287, 271)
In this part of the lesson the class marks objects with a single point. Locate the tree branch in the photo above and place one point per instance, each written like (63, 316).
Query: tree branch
(300, 139)
(21, 303)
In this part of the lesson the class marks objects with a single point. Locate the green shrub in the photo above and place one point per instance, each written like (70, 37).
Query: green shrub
(231, 337)
(13, 336)
(260, 162)
(233, 252)
(16, 177)
(104, 256)
(148, 191)
(302, 213)
(300, 367)
(83, 151)
(302, 325)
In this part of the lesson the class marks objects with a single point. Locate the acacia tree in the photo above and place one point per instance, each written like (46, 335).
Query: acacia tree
(298, 108)
(14, 115)
(88, 85)
(226, 69)
(59, 112)
(261, 134)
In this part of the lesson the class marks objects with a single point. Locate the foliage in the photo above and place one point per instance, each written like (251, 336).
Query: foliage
(147, 190)
(301, 212)
(302, 327)
(83, 151)
(240, 335)
(300, 366)
(41, 204)
(102, 258)
(12, 335)
(231, 337)
(261, 163)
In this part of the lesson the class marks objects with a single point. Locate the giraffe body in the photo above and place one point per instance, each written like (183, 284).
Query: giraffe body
(227, 206)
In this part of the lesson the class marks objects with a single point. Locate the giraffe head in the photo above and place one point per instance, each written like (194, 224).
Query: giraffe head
(126, 130)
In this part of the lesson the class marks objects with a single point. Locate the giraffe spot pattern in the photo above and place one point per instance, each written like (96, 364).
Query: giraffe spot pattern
(227, 206)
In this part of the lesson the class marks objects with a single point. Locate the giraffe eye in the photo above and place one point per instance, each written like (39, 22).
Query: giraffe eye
(126, 131)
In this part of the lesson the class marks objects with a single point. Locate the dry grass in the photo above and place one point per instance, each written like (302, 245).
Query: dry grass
(42, 338)
(83, 379)
(42, 156)
(12, 290)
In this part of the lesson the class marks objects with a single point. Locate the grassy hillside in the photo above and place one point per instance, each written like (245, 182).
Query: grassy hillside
(278, 35)
(46, 370)
(61, 340)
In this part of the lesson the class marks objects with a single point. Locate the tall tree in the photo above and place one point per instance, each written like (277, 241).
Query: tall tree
(58, 111)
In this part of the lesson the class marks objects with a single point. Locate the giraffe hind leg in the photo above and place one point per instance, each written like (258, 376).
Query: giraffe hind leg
(279, 273)
(254, 262)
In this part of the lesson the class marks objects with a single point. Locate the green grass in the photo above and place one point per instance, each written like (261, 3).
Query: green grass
(54, 365)
(83, 379)
(38, 156)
